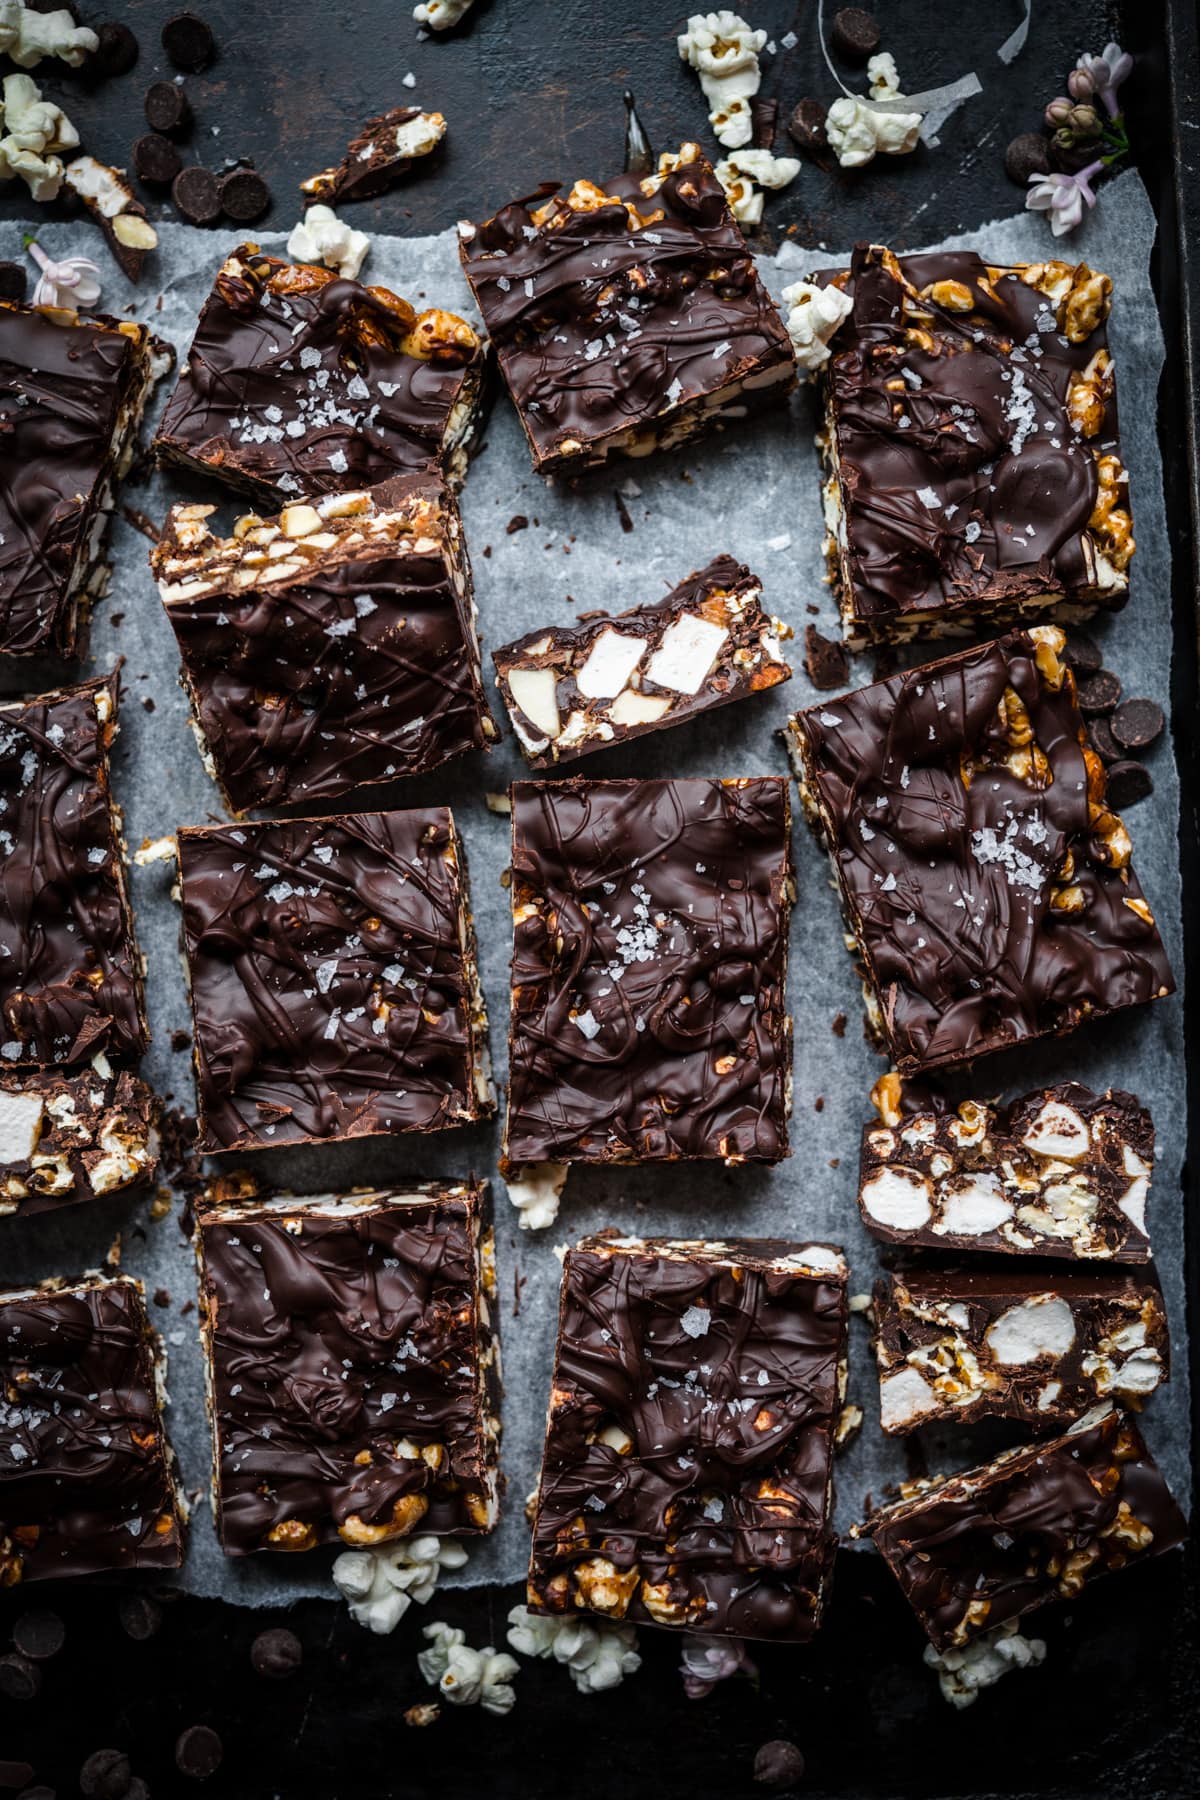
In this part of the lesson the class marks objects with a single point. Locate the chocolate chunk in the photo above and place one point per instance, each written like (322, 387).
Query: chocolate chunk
(1103, 741)
(854, 34)
(1082, 653)
(276, 1654)
(385, 148)
(764, 115)
(1128, 782)
(105, 1775)
(518, 522)
(1098, 693)
(806, 127)
(825, 660)
(778, 1764)
(13, 281)
(167, 108)
(156, 161)
(39, 1634)
(116, 52)
(244, 195)
(188, 42)
(140, 1615)
(20, 1679)
(196, 193)
(198, 1752)
(1028, 154)
(1136, 724)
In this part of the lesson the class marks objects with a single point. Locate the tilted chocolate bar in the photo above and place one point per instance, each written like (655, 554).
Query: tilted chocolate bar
(87, 1477)
(72, 394)
(354, 1380)
(985, 882)
(67, 1138)
(975, 475)
(301, 383)
(333, 979)
(649, 1013)
(70, 971)
(385, 148)
(1036, 1524)
(1016, 1343)
(688, 1472)
(1059, 1172)
(627, 318)
(576, 688)
(330, 647)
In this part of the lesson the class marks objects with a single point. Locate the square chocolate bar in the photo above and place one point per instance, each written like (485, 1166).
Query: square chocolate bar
(577, 688)
(67, 1138)
(353, 1374)
(88, 1479)
(333, 977)
(627, 318)
(301, 383)
(330, 647)
(649, 1010)
(70, 971)
(985, 882)
(72, 393)
(1036, 1524)
(688, 1471)
(975, 475)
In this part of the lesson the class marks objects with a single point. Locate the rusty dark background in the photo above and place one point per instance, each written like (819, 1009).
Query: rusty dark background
(532, 90)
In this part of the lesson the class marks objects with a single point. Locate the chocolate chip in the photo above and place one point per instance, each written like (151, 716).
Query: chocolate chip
(1099, 693)
(518, 522)
(778, 1764)
(276, 1654)
(1027, 155)
(19, 1678)
(141, 1616)
(39, 1634)
(116, 52)
(16, 1775)
(1136, 724)
(245, 196)
(806, 126)
(1128, 782)
(1103, 742)
(105, 1775)
(37, 1793)
(12, 281)
(156, 160)
(825, 660)
(167, 108)
(1082, 653)
(188, 42)
(855, 34)
(197, 196)
(198, 1752)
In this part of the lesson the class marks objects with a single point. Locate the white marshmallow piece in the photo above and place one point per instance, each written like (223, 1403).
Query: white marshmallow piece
(1041, 1326)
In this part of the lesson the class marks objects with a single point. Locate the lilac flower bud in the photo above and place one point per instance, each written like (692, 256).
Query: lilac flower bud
(1079, 84)
(1057, 113)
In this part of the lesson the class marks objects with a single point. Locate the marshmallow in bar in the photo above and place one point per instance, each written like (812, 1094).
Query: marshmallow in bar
(72, 393)
(1058, 1172)
(687, 1479)
(965, 1345)
(299, 383)
(353, 1371)
(334, 986)
(987, 886)
(88, 1479)
(577, 688)
(330, 647)
(70, 971)
(649, 1013)
(626, 318)
(66, 1138)
(975, 477)
(1036, 1524)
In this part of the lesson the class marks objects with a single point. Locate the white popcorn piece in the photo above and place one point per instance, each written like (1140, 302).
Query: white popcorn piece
(858, 131)
(27, 36)
(381, 1583)
(440, 15)
(467, 1677)
(535, 1191)
(813, 315)
(723, 50)
(884, 77)
(321, 237)
(598, 1656)
(743, 175)
(962, 1674)
(35, 130)
(420, 136)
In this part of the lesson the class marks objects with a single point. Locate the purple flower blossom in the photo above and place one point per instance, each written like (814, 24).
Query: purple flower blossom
(71, 282)
(707, 1660)
(1101, 75)
(1062, 197)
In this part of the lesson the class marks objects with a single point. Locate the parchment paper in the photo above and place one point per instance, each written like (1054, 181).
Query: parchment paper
(752, 491)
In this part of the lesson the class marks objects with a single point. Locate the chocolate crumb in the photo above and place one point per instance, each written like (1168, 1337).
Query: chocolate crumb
(162, 1296)
(181, 1040)
(825, 660)
(819, 1103)
(622, 512)
(838, 1027)
(1027, 155)
(518, 522)
(148, 702)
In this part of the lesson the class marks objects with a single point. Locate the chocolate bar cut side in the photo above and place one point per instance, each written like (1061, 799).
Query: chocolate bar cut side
(383, 151)
(1036, 1524)
(687, 1479)
(649, 1014)
(72, 394)
(330, 647)
(89, 1482)
(986, 884)
(301, 383)
(334, 985)
(70, 970)
(1059, 1172)
(353, 1369)
(628, 318)
(577, 688)
(69, 1138)
(975, 475)
(1015, 1344)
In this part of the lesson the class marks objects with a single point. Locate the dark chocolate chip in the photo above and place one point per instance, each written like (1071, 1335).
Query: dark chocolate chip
(197, 195)
(19, 1678)
(156, 160)
(141, 1616)
(37, 1793)
(105, 1775)
(1103, 741)
(167, 108)
(825, 660)
(1082, 653)
(806, 126)
(276, 1654)
(778, 1764)
(1136, 724)
(1027, 155)
(12, 281)
(855, 34)
(116, 52)
(245, 196)
(1099, 693)
(15, 1774)
(198, 1752)
(39, 1634)
(1128, 782)
(137, 1790)
(188, 42)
